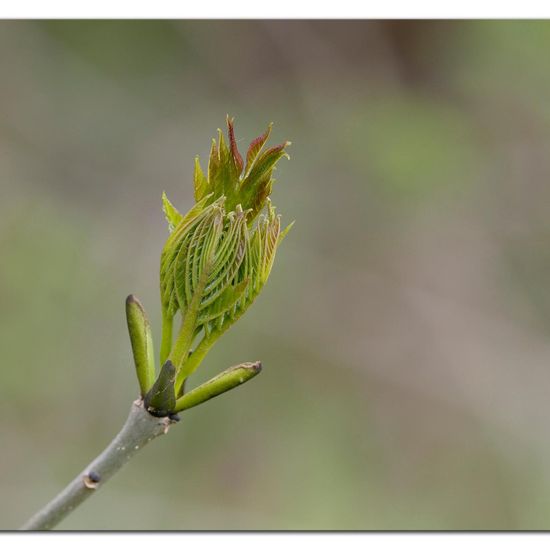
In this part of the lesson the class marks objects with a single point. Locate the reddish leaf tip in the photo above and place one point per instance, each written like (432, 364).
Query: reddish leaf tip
(238, 159)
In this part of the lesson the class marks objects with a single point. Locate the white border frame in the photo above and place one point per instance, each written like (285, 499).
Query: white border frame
(281, 9)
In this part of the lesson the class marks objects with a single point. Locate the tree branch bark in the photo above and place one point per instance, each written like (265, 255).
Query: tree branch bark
(140, 428)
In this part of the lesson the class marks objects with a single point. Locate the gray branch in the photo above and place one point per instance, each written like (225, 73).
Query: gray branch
(140, 428)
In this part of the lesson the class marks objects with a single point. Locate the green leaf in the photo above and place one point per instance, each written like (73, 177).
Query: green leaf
(255, 147)
(200, 182)
(173, 217)
(196, 256)
(206, 266)
(266, 161)
(224, 303)
(256, 186)
(225, 167)
(285, 232)
(213, 167)
(228, 257)
(270, 231)
(226, 179)
(236, 156)
(176, 240)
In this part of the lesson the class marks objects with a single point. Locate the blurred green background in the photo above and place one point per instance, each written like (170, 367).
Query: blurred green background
(405, 330)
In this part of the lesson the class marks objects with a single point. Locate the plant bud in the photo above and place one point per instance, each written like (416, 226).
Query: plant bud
(142, 343)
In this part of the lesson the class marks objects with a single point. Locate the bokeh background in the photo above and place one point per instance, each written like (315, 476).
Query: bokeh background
(405, 330)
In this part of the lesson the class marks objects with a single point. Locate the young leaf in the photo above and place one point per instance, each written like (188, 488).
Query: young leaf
(265, 162)
(254, 149)
(285, 232)
(195, 256)
(200, 182)
(213, 167)
(236, 156)
(178, 238)
(256, 186)
(224, 303)
(173, 217)
(228, 257)
(271, 229)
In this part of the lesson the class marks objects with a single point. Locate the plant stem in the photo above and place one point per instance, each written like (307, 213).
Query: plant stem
(140, 428)
(166, 342)
(182, 345)
(195, 359)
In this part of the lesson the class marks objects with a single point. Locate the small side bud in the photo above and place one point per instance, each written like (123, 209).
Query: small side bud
(142, 343)
(225, 381)
(91, 480)
(161, 398)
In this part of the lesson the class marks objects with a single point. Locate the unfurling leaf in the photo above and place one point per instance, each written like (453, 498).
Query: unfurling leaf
(249, 187)
(200, 182)
(169, 254)
(219, 255)
(254, 149)
(173, 217)
(237, 159)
